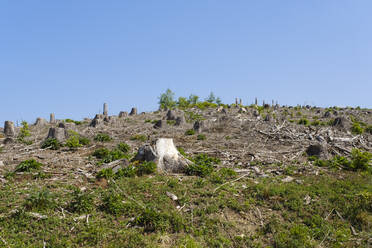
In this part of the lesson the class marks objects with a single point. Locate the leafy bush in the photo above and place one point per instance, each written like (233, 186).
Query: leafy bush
(106, 173)
(113, 203)
(72, 121)
(202, 166)
(125, 148)
(129, 171)
(183, 103)
(139, 137)
(24, 131)
(73, 142)
(102, 137)
(84, 140)
(40, 200)
(201, 137)
(51, 143)
(205, 105)
(205, 159)
(303, 121)
(190, 132)
(101, 153)
(146, 168)
(152, 220)
(356, 128)
(108, 156)
(316, 123)
(296, 236)
(28, 165)
(191, 116)
(360, 160)
(82, 202)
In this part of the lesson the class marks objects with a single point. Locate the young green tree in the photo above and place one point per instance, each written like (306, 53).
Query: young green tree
(211, 98)
(193, 99)
(183, 102)
(166, 100)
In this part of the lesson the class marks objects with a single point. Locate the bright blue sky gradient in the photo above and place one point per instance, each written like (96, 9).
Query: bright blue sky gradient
(68, 57)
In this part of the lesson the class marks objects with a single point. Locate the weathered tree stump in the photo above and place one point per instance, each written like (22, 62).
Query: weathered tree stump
(52, 119)
(123, 114)
(9, 129)
(171, 115)
(165, 155)
(133, 111)
(160, 124)
(57, 133)
(105, 109)
(40, 122)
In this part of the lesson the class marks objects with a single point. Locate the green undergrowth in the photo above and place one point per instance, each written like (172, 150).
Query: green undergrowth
(358, 161)
(73, 121)
(105, 155)
(212, 211)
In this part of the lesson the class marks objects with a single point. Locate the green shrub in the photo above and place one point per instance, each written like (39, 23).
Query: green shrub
(316, 123)
(296, 236)
(146, 168)
(101, 153)
(183, 103)
(139, 137)
(129, 171)
(102, 137)
(113, 203)
(205, 159)
(84, 140)
(360, 160)
(182, 151)
(106, 173)
(108, 156)
(191, 116)
(150, 121)
(72, 121)
(28, 165)
(202, 166)
(40, 200)
(152, 220)
(201, 137)
(51, 143)
(73, 142)
(24, 131)
(171, 122)
(303, 121)
(190, 132)
(205, 105)
(82, 202)
(356, 128)
(125, 148)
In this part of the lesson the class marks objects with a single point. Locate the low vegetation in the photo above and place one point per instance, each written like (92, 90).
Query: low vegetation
(102, 137)
(359, 161)
(28, 165)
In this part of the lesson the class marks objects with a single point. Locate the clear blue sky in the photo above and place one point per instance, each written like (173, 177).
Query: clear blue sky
(71, 56)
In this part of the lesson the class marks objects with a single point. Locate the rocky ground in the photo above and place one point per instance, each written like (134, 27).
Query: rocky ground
(283, 177)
